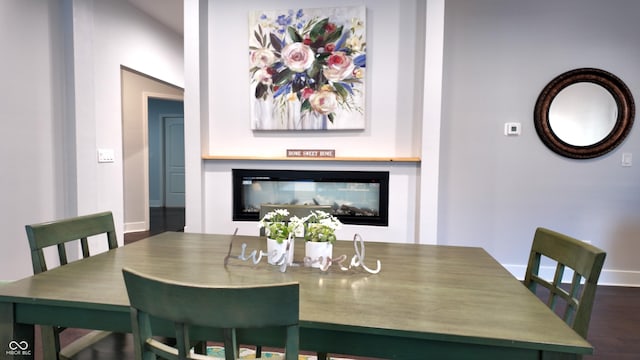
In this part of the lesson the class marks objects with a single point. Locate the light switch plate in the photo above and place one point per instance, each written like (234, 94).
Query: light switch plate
(106, 155)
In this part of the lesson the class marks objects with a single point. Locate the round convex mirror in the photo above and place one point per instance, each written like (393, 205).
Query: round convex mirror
(584, 113)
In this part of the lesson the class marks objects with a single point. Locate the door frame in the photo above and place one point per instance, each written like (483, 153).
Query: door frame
(145, 133)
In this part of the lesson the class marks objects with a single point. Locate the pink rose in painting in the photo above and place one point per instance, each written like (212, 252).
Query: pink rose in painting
(324, 101)
(297, 56)
(262, 58)
(263, 76)
(339, 67)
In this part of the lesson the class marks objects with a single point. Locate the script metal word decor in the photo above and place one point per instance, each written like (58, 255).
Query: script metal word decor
(357, 260)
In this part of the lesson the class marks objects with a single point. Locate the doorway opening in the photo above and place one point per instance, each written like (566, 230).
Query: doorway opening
(146, 128)
(166, 164)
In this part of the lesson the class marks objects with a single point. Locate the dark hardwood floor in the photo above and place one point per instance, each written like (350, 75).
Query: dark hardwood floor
(161, 219)
(614, 330)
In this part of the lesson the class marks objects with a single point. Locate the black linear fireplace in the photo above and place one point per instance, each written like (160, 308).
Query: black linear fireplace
(355, 197)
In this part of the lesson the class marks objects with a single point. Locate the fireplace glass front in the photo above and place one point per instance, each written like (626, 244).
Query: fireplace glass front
(355, 197)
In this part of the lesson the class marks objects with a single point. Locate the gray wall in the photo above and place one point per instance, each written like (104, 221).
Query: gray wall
(495, 190)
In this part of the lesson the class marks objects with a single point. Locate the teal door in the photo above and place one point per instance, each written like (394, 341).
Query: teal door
(174, 161)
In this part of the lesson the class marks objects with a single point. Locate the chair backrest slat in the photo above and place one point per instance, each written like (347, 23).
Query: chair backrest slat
(585, 260)
(264, 306)
(58, 233)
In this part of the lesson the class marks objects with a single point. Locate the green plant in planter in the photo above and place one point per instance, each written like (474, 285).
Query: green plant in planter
(321, 227)
(279, 226)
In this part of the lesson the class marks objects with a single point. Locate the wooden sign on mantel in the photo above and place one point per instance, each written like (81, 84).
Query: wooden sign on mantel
(311, 153)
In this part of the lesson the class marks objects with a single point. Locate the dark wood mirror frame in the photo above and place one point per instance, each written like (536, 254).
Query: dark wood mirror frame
(616, 87)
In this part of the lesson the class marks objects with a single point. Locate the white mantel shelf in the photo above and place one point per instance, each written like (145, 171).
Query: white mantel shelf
(337, 158)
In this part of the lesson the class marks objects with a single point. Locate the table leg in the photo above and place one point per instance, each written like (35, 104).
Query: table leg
(16, 340)
(50, 342)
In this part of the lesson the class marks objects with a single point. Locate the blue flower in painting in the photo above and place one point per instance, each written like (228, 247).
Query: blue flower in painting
(299, 14)
(283, 20)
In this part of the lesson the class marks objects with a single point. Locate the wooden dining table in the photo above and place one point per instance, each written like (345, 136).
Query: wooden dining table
(426, 302)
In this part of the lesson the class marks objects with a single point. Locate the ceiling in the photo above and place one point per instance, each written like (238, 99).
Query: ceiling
(168, 12)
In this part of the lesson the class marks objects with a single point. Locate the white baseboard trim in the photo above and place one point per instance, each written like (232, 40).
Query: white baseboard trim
(607, 277)
(620, 278)
(135, 227)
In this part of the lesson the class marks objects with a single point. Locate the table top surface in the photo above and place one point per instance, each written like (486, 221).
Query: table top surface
(422, 291)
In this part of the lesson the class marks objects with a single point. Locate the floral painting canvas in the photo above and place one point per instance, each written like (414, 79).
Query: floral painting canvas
(307, 69)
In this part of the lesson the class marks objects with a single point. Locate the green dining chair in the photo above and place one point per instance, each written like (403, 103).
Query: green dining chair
(59, 234)
(573, 301)
(230, 308)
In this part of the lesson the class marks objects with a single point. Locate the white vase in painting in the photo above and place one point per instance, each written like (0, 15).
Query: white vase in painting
(311, 120)
(277, 250)
(263, 114)
(268, 114)
(318, 252)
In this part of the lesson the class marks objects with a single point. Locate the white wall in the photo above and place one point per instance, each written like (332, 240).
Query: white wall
(32, 118)
(393, 99)
(123, 35)
(495, 190)
(61, 102)
(393, 112)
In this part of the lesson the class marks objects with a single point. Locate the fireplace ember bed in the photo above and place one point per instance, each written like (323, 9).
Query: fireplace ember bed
(355, 197)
